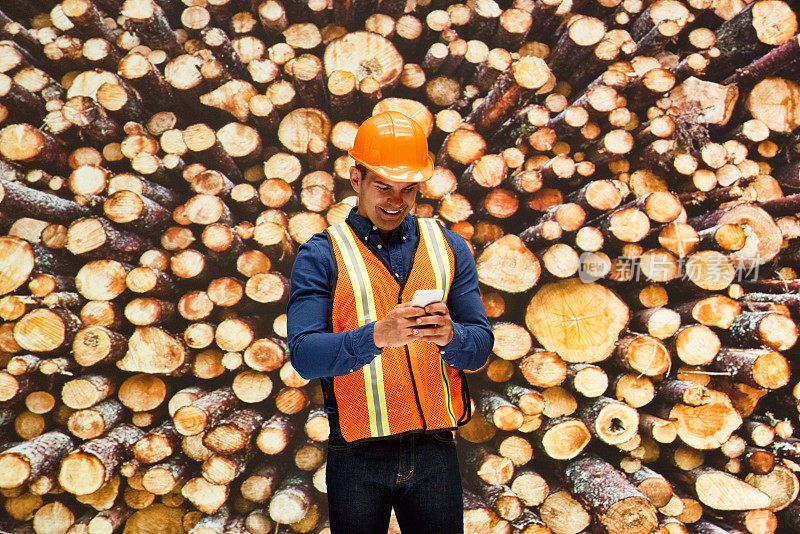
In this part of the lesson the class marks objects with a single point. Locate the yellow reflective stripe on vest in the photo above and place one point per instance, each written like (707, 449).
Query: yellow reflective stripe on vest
(437, 252)
(365, 311)
(365, 303)
(447, 396)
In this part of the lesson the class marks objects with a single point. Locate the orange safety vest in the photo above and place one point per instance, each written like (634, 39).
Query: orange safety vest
(404, 389)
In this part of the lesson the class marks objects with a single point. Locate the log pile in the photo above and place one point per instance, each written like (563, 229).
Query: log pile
(626, 172)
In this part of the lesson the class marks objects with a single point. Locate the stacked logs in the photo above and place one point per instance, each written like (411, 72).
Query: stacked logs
(627, 174)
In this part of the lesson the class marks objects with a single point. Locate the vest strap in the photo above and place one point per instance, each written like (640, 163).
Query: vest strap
(365, 310)
(434, 241)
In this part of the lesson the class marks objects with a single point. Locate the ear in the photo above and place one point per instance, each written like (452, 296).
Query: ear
(355, 178)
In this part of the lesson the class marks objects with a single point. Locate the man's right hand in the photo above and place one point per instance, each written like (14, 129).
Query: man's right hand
(399, 326)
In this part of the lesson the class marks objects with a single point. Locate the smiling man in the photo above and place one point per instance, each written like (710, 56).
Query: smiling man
(392, 373)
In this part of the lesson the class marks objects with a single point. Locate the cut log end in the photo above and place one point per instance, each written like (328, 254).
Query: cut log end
(565, 440)
(722, 491)
(190, 420)
(41, 330)
(81, 474)
(774, 22)
(634, 514)
(579, 321)
(16, 262)
(15, 470)
(501, 264)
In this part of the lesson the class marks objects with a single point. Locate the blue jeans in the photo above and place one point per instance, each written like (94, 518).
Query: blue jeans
(417, 474)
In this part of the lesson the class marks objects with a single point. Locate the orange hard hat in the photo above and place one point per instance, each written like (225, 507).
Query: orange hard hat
(394, 147)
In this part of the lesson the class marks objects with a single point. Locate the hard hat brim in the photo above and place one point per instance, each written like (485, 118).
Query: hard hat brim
(400, 174)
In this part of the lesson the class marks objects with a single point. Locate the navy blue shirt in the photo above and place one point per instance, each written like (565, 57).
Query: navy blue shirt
(317, 352)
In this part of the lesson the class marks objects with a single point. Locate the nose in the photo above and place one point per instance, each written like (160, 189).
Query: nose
(396, 198)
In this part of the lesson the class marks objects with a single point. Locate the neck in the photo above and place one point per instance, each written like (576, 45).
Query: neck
(385, 234)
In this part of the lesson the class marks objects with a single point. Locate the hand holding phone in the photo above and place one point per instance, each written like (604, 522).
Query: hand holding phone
(435, 327)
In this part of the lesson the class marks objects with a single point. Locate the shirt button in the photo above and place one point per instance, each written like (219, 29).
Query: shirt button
(374, 227)
(380, 246)
(404, 238)
(397, 274)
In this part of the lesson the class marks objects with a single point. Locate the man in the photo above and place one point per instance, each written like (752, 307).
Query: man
(391, 372)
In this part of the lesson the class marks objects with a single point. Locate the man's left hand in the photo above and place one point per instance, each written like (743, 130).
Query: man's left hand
(436, 327)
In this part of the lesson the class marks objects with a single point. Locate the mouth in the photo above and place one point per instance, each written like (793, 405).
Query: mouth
(391, 213)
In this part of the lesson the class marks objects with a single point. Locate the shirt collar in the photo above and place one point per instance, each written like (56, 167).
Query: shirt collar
(365, 228)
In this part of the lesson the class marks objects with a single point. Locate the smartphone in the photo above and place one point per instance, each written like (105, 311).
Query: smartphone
(423, 297)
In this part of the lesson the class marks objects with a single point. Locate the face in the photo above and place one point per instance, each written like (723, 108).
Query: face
(384, 202)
